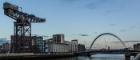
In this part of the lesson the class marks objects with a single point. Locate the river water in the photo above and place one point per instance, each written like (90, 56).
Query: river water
(97, 57)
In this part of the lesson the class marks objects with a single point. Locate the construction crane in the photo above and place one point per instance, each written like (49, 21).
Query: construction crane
(21, 40)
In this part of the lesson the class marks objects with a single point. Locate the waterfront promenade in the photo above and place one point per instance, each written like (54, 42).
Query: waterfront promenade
(34, 56)
(93, 57)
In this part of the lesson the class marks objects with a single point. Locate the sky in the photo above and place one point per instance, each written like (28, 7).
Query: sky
(76, 17)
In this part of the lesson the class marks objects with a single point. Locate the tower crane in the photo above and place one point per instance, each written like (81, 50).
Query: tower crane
(21, 41)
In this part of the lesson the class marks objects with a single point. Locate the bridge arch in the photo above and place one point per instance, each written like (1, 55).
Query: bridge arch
(111, 34)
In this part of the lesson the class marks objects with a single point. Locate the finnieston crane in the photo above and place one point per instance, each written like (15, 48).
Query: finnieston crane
(21, 41)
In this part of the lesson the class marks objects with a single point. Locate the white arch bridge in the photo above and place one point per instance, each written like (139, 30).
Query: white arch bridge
(90, 51)
(111, 34)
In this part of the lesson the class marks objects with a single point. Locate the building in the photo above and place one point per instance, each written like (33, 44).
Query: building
(51, 47)
(29, 44)
(38, 44)
(5, 48)
(58, 38)
(81, 48)
(4, 45)
(57, 44)
(46, 43)
(74, 46)
(136, 47)
(21, 44)
(58, 48)
(69, 45)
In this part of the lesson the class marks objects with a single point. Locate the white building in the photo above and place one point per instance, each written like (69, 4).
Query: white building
(74, 46)
(58, 38)
(57, 44)
(58, 48)
(52, 47)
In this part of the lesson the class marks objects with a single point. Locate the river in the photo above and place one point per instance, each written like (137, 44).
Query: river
(96, 57)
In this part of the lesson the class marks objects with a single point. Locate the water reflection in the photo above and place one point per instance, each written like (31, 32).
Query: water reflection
(96, 57)
(70, 58)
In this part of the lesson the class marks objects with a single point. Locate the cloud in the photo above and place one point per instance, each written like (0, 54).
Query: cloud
(83, 34)
(123, 30)
(95, 4)
(112, 24)
(91, 6)
(95, 32)
(106, 6)
(71, 2)
(132, 27)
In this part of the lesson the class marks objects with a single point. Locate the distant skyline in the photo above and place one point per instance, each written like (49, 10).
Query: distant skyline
(79, 19)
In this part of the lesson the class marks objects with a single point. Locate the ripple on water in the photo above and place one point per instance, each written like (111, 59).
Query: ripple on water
(107, 57)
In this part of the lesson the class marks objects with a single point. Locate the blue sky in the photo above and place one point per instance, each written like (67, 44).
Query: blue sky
(74, 17)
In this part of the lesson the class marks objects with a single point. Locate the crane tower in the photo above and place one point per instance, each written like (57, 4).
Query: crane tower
(21, 41)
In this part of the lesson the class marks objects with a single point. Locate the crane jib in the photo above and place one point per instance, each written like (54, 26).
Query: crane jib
(13, 12)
